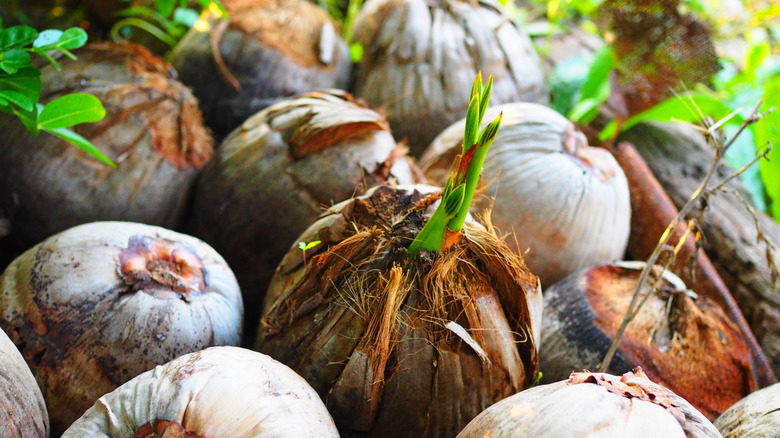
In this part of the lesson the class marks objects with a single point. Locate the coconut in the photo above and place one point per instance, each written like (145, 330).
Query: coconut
(269, 50)
(217, 392)
(152, 131)
(566, 203)
(395, 347)
(755, 416)
(24, 411)
(593, 405)
(682, 341)
(100, 303)
(419, 56)
(273, 176)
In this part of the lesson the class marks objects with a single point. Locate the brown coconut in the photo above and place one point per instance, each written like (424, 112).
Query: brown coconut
(267, 50)
(152, 131)
(682, 341)
(419, 56)
(566, 205)
(400, 348)
(216, 392)
(593, 405)
(755, 416)
(100, 303)
(23, 412)
(273, 176)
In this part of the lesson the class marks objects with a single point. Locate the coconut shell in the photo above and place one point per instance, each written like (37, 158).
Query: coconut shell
(269, 50)
(273, 176)
(420, 56)
(682, 341)
(399, 348)
(217, 392)
(593, 405)
(24, 411)
(756, 416)
(566, 205)
(152, 131)
(89, 310)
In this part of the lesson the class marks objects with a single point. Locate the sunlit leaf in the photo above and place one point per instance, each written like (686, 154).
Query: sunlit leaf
(47, 40)
(72, 38)
(185, 16)
(70, 110)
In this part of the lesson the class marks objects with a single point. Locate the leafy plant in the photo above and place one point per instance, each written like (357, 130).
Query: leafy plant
(303, 246)
(443, 227)
(167, 20)
(20, 85)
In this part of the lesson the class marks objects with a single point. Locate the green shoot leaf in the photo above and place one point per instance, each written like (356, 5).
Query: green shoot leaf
(14, 60)
(72, 38)
(70, 110)
(17, 37)
(29, 118)
(26, 81)
(307, 246)
(47, 40)
(81, 142)
(472, 124)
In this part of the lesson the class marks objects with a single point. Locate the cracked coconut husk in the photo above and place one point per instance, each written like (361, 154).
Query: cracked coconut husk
(398, 347)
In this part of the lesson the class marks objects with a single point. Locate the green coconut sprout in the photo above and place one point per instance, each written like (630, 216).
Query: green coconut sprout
(458, 193)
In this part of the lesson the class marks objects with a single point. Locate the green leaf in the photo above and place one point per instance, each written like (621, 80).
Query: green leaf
(356, 52)
(767, 131)
(14, 60)
(185, 16)
(29, 118)
(484, 98)
(164, 7)
(70, 110)
(47, 40)
(584, 110)
(472, 124)
(80, 142)
(17, 98)
(26, 81)
(681, 108)
(17, 37)
(598, 74)
(72, 38)
(303, 246)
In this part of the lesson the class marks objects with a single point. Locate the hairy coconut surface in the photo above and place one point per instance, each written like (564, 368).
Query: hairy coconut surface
(23, 412)
(567, 204)
(756, 416)
(682, 341)
(400, 348)
(216, 392)
(421, 56)
(272, 177)
(98, 304)
(152, 131)
(269, 50)
(593, 405)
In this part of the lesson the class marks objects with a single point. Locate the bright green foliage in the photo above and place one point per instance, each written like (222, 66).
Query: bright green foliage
(459, 190)
(20, 85)
(168, 21)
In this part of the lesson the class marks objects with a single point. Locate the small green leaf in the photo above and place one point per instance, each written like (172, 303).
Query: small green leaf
(14, 60)
(72, 38)
(29, 118)
(185, 16)
(17, 37)
(80, 142)
(302, 246)
(311, 245)
(47, 40)
(584, 110)
(598, 74)
(26, 81)
(472, 124)
(484, 98)
(356, 52)
(454, 200)
(70, 110)
(17, 98)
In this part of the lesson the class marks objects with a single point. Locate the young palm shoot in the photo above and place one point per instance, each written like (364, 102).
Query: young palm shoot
(443, 229)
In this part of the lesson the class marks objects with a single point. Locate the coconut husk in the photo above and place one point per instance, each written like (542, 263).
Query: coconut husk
(755, 416)
(593, 404)
(273, 176)
(419, 56)
(216, 392)
(24, 411)
(152, 131)
(682, 341)
(399, 348)
(269, 50)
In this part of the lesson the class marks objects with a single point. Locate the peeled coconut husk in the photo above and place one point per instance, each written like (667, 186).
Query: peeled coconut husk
(267, 50)
(755, 416)
(23, 412)
(682, 341)
(566, 204)
(273, 176)
(420, 55)
(152, 131)
(217, 392)
(399, 348)
(593, 405)
(98, 304)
